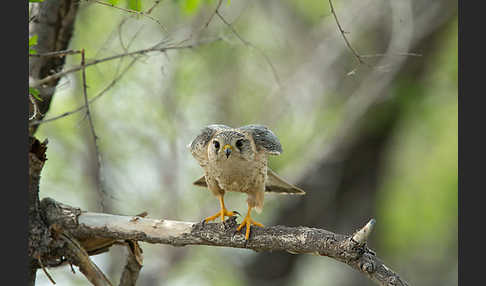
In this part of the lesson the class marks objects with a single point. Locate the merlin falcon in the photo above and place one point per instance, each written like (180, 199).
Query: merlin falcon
(235, 160)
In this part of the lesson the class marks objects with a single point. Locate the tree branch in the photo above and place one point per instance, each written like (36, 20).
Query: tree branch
(53, 25)
(349, 249)
(133, 265)
(155, 48)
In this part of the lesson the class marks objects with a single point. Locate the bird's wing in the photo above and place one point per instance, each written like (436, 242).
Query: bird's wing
(264, 138)
(273, 184)
(198, 146)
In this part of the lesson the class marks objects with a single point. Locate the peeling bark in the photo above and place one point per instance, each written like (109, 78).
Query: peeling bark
(37, 228)
(87, 227)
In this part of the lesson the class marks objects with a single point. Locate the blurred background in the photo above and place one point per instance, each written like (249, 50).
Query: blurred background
(375, 139)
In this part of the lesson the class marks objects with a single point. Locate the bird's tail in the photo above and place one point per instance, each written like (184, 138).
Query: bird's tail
(275, 184)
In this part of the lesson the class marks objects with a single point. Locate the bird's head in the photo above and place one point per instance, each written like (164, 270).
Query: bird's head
(230, 145)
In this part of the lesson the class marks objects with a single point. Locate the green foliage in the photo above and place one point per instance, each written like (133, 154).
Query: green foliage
(190, 6)
(135, 5)
(35, 93)
(419, 196)
(312, 11)
(32, 42)
(33, 1)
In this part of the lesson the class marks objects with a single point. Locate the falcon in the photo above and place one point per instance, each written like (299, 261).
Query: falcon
(235, 160)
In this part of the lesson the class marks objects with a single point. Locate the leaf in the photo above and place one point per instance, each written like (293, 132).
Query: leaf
(32, 1)
(135, 5)
(35, 93)
(33, 41)
(190, 6)
(113, 2)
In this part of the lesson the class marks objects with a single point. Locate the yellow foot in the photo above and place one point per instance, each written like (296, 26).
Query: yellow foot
(248, 221)
(222, 213)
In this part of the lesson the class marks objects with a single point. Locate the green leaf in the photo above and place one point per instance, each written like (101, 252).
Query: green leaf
(31, 1)
(32, 52)
(33, 41)
(35, 93)
(190, 6)
(113, 2)
(135, 5)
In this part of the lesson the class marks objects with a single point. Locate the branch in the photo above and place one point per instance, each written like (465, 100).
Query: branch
(349, 249)
(156, 48)
(99, 179)
(356, 55)
(134, 12)
(78, 255)
(249, 44)
(82, 107)
(53, 24)
(133, 265)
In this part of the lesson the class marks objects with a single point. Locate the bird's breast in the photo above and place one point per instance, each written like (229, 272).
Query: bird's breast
(238, 175)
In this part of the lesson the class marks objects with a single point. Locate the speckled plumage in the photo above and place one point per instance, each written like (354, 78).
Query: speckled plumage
(245, 170)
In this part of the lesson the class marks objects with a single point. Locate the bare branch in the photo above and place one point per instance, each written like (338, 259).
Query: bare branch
(206, 24)
(356, 55)
(212, 16)
(78, 256)
(56, 53)
(153, 6)
(93, 133)
(133, 265)
(249, 44)
(155, 48)
(135, 12)
(45, 270)
(361, 236)
(80, 108)
(86, 226)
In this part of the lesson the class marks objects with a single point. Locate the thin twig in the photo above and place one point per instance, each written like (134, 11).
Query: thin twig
(249, 44)
(72, 268)
(111, 84)
(206, 24)
(153, 6)
(391, 54)
(45, 270)
(155, 48)
(80, 108)
(36, 109)
(56, 54)
(142, 13)
(356, 55)
(93, 133)
(212, 15)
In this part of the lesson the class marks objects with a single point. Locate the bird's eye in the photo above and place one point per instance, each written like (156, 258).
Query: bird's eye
(216, 144)
(239, 143)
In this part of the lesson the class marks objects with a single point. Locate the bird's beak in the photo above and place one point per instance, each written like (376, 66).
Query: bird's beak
(227, 150)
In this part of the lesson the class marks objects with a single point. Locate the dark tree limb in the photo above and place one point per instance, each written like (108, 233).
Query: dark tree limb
(37, 229)
(87, 226)
(53, 25)
(133, 265)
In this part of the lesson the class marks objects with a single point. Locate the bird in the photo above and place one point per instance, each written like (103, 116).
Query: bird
(236, 160)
